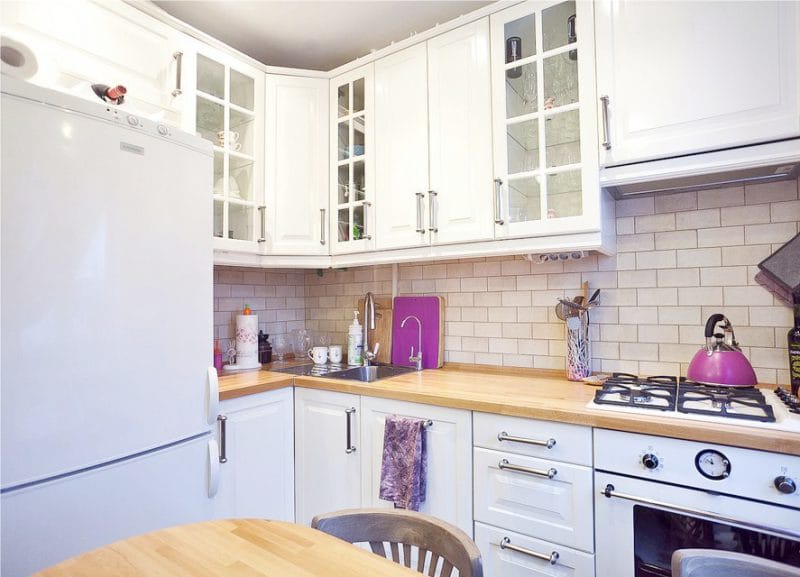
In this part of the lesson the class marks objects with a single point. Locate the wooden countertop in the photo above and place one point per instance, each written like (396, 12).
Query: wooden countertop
(236, 547)
(521, 393)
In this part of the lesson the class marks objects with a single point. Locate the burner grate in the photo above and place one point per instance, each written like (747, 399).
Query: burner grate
(627, 390)
(741, 403)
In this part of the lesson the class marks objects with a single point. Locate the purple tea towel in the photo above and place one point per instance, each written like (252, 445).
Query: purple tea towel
(405, 462)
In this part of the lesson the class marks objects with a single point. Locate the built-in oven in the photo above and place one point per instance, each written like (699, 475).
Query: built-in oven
(655, 495)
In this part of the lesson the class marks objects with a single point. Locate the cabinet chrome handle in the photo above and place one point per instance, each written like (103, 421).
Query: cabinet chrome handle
(549, 473)
(263, 211)
(420, 211)
(350, 448)
(178, 57)
(223, 427)
(433, 216)
(503, 436)
(552, 558)
(366, 204)
(498, 206)
(609, 492)
(606, 126)
(322, 212)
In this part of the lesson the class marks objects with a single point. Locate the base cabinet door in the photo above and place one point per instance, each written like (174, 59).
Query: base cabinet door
(508, 554)
(257, 475)
(449, 473)
(702, 102)
(327, 452)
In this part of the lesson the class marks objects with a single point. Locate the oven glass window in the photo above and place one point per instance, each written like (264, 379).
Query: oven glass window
(657, 534)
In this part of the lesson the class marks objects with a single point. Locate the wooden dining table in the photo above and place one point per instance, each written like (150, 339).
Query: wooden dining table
(227, 548)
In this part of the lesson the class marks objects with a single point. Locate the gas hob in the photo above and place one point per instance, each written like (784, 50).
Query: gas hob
(681, 399)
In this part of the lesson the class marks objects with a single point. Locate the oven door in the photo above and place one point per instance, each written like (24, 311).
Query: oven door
(639, 524)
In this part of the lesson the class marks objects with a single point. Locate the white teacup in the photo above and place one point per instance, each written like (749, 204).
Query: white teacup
(319, 355)
(230, 136)
(335, 353)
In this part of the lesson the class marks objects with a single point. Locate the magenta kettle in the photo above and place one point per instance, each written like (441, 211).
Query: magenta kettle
(721, 361)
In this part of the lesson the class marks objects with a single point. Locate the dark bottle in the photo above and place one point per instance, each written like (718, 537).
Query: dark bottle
(264, 348)
(112, 94)
(794, 348)
(513, 53)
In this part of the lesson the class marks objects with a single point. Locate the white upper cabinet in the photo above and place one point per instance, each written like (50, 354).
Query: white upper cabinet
(401, 148)
(433, 141)
(224, 103)
(460, 133)
(297, 165)
(352, 154)
(685, 77)
(545, 131)
(78, 43)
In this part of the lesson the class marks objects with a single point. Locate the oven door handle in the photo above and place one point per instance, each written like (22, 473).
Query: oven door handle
(610, 492)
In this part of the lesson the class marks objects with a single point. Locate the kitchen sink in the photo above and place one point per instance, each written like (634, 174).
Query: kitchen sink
(371, 373)
(363, 374)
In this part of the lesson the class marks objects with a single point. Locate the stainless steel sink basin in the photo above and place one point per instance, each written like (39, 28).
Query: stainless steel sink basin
(371, 373)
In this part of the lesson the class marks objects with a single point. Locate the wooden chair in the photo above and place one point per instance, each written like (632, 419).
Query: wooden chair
(715, 563)
(427, 538)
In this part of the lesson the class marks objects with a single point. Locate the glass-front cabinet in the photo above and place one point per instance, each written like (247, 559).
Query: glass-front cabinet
(227, 109)
(545, 119)
(352, 187)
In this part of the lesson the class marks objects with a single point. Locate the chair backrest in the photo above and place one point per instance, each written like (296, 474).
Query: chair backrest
(415, 535)
(714, 563)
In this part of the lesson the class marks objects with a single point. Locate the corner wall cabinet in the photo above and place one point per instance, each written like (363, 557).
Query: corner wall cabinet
(297, 165)
(545, 131)
(257, 477)
(665, 97)
(225, 106)
(352, 154)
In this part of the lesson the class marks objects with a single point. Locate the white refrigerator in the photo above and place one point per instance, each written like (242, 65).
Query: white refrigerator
(106, 398)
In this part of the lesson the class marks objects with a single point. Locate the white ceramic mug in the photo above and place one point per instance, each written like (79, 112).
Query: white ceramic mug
(335, 353)
(319, 355)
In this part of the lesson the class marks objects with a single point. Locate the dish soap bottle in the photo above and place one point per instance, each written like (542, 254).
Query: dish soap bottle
(355, 342)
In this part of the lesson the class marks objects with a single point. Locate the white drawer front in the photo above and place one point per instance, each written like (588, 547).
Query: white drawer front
(558, 509)
(573, 443)
(498, 562)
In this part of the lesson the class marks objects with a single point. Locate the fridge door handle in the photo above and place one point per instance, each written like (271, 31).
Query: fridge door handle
(213, 468)
(212, 401)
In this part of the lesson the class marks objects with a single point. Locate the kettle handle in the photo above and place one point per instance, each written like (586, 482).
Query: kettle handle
(711, 323)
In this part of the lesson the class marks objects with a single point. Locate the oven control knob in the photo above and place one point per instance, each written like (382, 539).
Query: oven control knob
(785, 484)
(650, 461)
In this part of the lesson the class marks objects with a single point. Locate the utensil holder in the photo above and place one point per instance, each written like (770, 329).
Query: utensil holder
(579, 351)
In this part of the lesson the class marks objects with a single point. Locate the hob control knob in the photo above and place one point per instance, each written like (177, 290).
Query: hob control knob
(650, 461)
(785, 485)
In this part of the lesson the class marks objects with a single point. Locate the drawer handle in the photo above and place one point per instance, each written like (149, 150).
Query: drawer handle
(549, 473)
(552, 558)
(549, 443)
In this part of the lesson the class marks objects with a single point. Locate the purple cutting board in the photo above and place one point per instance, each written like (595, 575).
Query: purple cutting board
(428, 311)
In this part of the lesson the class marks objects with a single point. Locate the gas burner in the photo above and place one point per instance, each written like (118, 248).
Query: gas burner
(620, 389)
(736, 403)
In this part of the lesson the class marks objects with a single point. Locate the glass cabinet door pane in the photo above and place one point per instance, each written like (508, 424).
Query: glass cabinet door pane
(358, 222)
(344, 140)
(524, 199)
(219, 162)
(358, 95)
(562, 136)
(359, 184)
(343, 98)
(520, 38)
(343, 224)
(210, 77)
(564, 196)
(240, 181)
(521, 91)
(523, 146)
(210, 119)
(560, 80)
(240, 221)
(242, 131)
(558, 25)
(358, 136)
(219, 209)
(343, 195)
(242, 90)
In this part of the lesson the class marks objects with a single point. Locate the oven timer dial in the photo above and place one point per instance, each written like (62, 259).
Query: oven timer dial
(713, 465)
(650, 461)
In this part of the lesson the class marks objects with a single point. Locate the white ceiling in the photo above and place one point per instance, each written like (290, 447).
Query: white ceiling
(317, 35)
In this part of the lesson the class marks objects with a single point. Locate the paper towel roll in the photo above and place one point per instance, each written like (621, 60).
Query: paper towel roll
(246, 342)
(17, 59)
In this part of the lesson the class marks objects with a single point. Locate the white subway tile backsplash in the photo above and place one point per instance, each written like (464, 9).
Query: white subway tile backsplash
(502, 283)
(564, 281)
(635, 206)
(697, 220)
(474, 284)
(724, 276)
(676, 239)
(722, 236)
(639, 351)
(654, 223)
(699, 295)
(770, 192)
(699, 257)
(683, 315)
(655, 259)
(516, 299)
(746, 296)
(753, 214)
(635, 242)
(625, 225)
(680, 277)
(532, 282)
(778, 232)
(515, 267)
(676, 202)
(638, 315)
(745, 255)
(620, 333)
(657, 296)
(785, 211)
(637, 279)
(719, 197)
(658, 334)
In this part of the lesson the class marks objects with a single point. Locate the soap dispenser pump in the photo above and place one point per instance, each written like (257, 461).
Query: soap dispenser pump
(355, 342)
